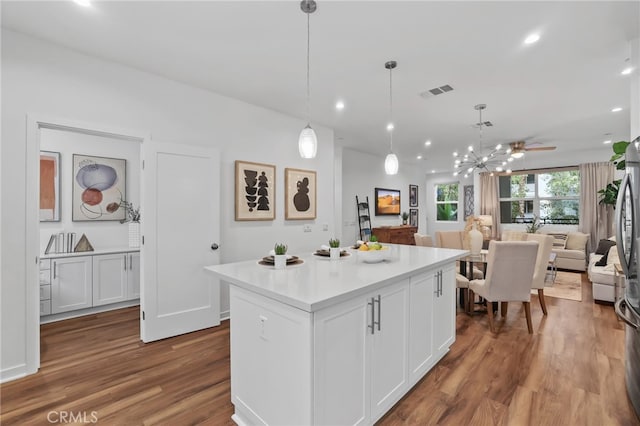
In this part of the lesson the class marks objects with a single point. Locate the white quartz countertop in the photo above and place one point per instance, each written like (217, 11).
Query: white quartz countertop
(320, 282)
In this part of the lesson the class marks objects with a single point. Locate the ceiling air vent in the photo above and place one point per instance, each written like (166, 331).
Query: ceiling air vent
(436, 91)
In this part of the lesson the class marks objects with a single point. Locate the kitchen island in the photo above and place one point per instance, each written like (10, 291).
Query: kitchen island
(336, 341)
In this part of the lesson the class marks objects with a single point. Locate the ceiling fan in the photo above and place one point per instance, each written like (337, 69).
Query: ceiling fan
(518, 148)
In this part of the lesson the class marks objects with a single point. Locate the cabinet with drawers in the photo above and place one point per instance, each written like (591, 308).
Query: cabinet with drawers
(396, 234)
(78, 281)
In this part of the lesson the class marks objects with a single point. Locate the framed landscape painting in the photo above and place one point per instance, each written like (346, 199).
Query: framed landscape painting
(49, 186)
(300, 194)
(255, 191)
(99, 185)
(387, 202)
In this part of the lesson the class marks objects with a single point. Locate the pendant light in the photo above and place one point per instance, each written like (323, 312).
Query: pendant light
(391, 162)
(308, 142)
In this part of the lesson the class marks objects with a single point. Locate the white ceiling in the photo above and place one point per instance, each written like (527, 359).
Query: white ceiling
(559, 91)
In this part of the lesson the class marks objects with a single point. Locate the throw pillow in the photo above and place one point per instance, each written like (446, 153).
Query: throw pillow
(604, 246)
(612, 259)
(559, 240)
(577, 241)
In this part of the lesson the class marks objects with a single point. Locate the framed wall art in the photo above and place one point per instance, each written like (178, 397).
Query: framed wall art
(387, 202)
(300, 194)
(413, 195)
(413, 217)
(99, 187)
(49, 186)
(255, 188)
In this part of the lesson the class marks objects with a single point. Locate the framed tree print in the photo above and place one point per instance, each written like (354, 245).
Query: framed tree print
(99, 185)
(413, 195)
(300, 194)
(255, 189)
(413, 217)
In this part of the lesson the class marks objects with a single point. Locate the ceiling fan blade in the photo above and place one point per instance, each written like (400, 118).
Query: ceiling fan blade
(541, 148)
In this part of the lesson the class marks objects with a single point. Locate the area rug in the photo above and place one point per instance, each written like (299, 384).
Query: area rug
(568, 285)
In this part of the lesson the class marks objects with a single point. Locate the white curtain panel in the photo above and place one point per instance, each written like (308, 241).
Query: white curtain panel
(489, 201)
(595, 219)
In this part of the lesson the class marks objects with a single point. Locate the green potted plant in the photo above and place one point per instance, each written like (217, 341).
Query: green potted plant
(280, 257)
(609, 194)
(405, 217)
(334, 248)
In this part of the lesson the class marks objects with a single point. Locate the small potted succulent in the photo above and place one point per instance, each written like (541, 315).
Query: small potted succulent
(280, 258)
(334, 248)
(405, 217)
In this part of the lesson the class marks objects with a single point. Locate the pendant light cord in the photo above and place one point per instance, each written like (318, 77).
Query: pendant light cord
(308, 61)
(391, 110)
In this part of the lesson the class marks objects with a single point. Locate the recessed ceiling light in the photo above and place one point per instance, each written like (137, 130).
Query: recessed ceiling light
(532, 38)
(433, 171)
(616, 109)
(427, 143)
(339, 105)
(455, 154)
(627, 71)
(84, 3)
(419, 157)
(607, 142)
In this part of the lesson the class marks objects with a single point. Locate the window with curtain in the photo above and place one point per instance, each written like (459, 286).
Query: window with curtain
(447, 202)
(553, 196)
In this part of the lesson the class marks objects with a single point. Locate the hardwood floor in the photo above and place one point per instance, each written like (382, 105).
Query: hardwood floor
(569, 372)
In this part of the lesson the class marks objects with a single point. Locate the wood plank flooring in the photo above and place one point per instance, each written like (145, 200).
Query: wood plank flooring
(569, 372)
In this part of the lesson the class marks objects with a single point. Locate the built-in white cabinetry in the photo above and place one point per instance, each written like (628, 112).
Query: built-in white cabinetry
(444, 309)
(71, 284)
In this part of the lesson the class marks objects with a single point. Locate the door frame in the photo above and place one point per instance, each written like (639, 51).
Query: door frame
(35, 123)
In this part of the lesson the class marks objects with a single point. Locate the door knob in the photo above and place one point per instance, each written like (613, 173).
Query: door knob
(214, 246)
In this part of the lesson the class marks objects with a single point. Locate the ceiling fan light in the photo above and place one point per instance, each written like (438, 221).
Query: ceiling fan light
(391, 164)
(517, 154)
(499, 146)
(307, 143)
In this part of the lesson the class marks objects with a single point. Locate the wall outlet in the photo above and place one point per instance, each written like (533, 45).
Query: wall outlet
(325, 226)
(306, 228)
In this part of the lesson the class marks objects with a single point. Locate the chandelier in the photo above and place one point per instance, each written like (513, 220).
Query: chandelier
(495, 160)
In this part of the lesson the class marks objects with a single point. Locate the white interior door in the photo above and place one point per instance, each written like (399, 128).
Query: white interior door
(180, 225)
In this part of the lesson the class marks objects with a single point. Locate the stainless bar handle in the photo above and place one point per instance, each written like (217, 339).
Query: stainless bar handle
(440, 273)
(54, 269)
(379, 311)
(619, 222)
(373, 315)
(130, 261)
(125, 262)
(437, 286)
(620, 311)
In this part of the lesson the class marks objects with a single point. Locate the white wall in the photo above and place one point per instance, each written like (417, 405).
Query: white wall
(46, 80)
(361, 173)
(101, 235)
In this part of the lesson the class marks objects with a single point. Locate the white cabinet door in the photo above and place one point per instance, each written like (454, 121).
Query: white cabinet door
(421, 325)
(444, 312)
(390, 345)
(71, 284)
(341, 374)
(110, 278)
(133, 276)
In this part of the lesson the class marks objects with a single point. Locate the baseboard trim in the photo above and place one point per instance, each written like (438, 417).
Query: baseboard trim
(13, 373)
(88, 311)
(225, 315)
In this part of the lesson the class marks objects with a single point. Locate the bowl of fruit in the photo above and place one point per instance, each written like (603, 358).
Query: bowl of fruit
(373, 252)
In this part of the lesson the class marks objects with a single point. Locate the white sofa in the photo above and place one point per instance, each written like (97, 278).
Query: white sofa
(570, 248)
(602, 277)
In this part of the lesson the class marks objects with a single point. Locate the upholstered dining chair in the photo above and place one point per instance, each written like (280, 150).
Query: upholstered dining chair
(510, 267)
(423, 240)
(545, 244)
(454, 240)
(462, 283)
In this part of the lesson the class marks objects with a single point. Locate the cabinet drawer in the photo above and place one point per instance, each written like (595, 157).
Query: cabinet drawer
(45, 292)
(45, 307)
(45, 277)
(45, 264)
